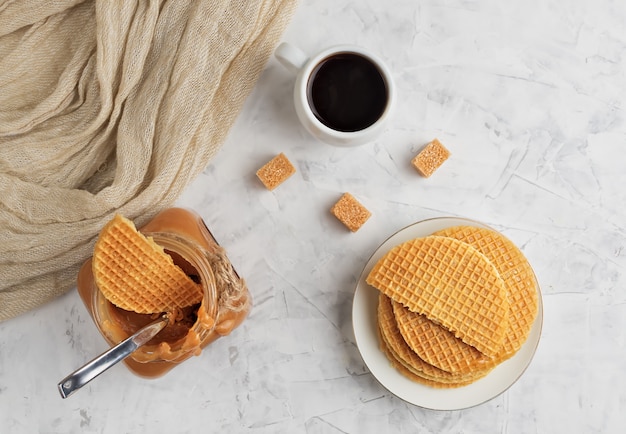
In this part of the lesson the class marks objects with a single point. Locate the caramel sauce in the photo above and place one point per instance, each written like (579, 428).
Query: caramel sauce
(176, 329)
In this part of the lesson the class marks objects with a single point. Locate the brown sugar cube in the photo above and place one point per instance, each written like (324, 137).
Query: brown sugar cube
(350, 212)
(275, 171)
(430, 158)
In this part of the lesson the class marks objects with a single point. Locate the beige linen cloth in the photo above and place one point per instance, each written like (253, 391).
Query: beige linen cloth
(111, 106)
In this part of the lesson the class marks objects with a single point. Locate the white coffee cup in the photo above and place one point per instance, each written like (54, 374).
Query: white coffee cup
(343, 95)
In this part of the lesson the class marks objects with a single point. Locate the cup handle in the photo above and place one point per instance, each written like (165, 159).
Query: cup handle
(290, 57)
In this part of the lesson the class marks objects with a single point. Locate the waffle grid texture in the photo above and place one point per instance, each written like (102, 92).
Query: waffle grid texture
(398, 347)
(449, 282)
(436, 345)
(135, 274)
(396, 362)
(518, 277)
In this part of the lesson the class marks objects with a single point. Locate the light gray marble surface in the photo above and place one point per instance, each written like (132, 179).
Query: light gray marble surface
(529, 96)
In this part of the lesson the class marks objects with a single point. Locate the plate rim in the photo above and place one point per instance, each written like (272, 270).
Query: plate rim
(386, 371)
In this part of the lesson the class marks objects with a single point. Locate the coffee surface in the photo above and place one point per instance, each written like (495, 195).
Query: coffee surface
(347, 92)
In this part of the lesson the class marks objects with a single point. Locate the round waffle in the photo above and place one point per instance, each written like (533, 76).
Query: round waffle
(398, 350)
(406, 370)
(135, 274)
(517, 274)
(438, 346)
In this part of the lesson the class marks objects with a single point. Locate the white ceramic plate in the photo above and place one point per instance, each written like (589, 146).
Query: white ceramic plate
(365, 331)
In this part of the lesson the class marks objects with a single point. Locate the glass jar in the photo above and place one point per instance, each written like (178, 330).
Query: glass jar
(225, 302)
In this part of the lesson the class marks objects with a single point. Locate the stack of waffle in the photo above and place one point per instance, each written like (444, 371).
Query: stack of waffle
(453, 305)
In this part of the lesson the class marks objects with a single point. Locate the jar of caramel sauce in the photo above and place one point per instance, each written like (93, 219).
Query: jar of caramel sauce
(225, 302)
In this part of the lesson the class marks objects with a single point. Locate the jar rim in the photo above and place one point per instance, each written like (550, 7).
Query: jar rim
(198, 257)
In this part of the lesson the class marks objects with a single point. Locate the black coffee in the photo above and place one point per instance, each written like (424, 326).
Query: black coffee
(347, 92)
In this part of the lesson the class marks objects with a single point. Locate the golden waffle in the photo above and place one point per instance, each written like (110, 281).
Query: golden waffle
(518, 277)
(406, 370)
(134, 273)
(399, 352)
(449, 282)
(436, 345)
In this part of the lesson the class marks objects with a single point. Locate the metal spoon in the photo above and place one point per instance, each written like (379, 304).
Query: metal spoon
(97, 366)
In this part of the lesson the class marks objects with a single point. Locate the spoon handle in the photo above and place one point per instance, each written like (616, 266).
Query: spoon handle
(97, 366)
